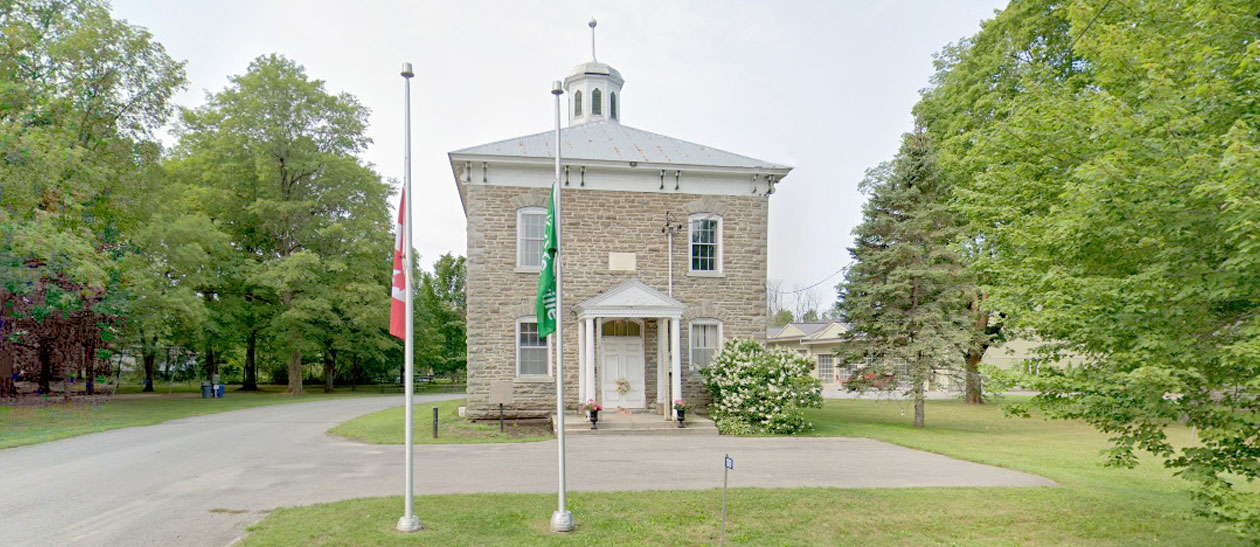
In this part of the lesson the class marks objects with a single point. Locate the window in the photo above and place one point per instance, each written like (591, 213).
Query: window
(612, 104)
(596, 108)
(620, 327)
(531, 223)
(706, 340)
(531, 351)
(706, 243)
(826, 368)
(577, 104)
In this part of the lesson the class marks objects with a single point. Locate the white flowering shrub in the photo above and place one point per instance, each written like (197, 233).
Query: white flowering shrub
(766, 390)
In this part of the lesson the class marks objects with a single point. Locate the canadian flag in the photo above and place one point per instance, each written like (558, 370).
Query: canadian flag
(398, 303)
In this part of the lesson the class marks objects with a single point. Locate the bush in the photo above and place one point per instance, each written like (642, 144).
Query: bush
(763, 391)
(732, 426)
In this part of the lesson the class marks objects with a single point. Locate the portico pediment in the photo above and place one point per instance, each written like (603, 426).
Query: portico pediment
(631, 299)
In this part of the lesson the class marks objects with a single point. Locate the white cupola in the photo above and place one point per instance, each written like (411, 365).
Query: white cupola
(594, 90)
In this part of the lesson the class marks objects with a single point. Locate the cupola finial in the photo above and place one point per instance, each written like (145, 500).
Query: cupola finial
(592, 25)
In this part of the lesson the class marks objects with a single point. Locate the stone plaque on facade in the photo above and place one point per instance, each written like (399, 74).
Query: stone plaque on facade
(501, 393)
(621, 262)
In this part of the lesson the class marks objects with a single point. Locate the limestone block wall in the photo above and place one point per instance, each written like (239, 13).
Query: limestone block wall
(596, 223)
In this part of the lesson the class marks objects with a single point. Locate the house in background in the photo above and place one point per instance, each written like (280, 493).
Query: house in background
(664, 257)
(816, 341)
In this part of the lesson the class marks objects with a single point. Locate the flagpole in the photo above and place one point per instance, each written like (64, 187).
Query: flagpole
(409, 522)
(562, 519)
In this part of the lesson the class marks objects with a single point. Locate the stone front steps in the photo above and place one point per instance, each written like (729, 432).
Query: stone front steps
(639, 422)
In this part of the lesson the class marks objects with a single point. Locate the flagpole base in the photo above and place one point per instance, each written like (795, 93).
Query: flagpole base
(562, 521)
(409, 524)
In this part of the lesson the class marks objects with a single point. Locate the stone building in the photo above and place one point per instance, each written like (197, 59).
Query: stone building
(640, 321)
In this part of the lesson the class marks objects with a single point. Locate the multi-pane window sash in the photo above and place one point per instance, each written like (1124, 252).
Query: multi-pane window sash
(704, 344)
(530, 234)
(704, 245)
(531, 351)
(826, 368)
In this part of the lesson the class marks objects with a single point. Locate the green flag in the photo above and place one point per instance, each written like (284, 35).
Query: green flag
(545, 307)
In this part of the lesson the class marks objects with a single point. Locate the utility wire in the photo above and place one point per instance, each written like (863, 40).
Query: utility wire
(820, 282)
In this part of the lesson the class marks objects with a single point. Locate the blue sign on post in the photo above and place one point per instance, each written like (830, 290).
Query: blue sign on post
(730, 464)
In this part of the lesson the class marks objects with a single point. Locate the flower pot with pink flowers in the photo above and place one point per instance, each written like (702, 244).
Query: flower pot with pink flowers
(680, 407)
(592, 408)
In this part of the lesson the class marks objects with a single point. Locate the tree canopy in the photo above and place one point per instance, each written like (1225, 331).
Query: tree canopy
(80, 95)
(274, 158)
(1106, 156)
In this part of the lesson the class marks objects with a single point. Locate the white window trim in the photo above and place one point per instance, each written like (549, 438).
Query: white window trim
(516, 341)
(520, 213)
(718, 272)
(691, 341)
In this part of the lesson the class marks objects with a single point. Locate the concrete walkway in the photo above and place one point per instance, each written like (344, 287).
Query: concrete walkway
(203, 480)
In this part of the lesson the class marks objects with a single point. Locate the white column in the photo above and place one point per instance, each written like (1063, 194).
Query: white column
(662, 351)
(675, 364)
(581, 364)
(592, 382)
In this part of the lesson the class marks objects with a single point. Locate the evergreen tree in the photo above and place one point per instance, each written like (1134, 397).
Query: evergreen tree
(905, 296)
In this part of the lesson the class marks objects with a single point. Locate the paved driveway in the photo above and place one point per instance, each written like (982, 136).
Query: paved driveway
(202, 480)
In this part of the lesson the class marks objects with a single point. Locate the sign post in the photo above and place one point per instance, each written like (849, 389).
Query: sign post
(727, 466)
(501, 394)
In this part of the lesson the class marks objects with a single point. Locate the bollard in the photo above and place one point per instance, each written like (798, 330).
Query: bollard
(435, 416)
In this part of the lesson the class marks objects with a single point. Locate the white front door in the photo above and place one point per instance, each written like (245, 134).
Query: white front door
(622, 380)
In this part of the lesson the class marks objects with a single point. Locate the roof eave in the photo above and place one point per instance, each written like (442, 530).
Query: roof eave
(778, 170)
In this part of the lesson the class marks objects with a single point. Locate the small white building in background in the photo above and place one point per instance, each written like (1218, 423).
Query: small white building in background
(816, 341)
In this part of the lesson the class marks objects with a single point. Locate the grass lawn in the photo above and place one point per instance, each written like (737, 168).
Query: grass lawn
(22, 426)
(386, 427)
(1092, 505)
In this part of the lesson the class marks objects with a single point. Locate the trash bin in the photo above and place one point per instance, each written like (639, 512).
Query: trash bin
(206, 390)
(221, 391)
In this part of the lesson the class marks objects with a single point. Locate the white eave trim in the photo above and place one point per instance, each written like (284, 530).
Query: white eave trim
(630, 313)
(622, 165)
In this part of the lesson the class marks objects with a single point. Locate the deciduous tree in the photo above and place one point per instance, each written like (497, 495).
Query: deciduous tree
(1110, 152)
(276, 155)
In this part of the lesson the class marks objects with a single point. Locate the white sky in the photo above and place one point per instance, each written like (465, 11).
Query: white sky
(825, 87)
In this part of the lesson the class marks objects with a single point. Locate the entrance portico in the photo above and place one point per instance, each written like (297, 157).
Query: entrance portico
(612, 331)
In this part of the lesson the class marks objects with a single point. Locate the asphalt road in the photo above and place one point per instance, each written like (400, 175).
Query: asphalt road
(203, 480)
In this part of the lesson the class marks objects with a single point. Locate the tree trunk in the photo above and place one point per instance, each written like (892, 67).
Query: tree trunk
(295, 373)
(211, 366)
(330, 369)
(150, 358)
(918, 404)
(45, 366)
(974, 394)
(7, 387)
(89, 369)
(251, 364)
